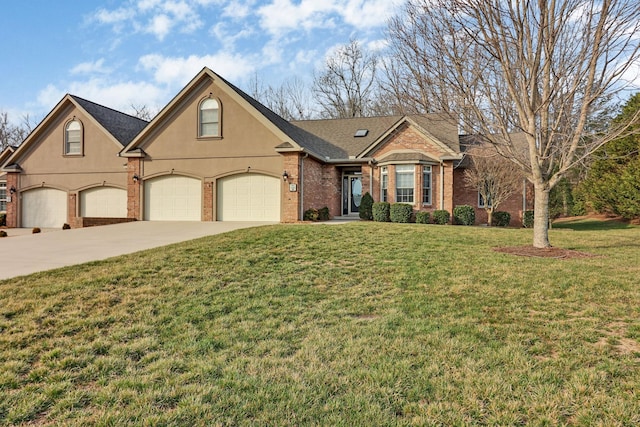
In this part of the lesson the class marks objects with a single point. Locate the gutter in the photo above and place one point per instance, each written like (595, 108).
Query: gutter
(441, 184)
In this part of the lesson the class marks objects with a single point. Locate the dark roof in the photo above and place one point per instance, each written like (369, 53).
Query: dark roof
(341, 132)
(442, 127)
(304, 138)
(122, 126)
(406, 157)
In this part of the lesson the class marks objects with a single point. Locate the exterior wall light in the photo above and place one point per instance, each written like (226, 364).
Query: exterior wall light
(12, 190)
(136, 178)
(285, 175)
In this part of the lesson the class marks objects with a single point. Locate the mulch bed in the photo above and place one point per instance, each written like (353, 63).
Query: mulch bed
(530, 251)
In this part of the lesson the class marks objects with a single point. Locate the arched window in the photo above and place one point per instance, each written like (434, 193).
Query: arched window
(73, 138)
(209, 118)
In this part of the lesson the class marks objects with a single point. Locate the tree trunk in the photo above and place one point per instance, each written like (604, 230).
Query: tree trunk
(489, 217)
(541, 217)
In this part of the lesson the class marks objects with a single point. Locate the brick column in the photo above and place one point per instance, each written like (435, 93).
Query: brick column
(208, 202)
(12, 206)
(72, 218)
(290, 200)
(448, 187)
(134, 167)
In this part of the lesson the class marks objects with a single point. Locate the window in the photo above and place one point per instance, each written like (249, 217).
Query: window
(73, 138)
(481, 202)
(3, 196)
(209, 118)
(426, 185)
(404, 183)
(384, 183)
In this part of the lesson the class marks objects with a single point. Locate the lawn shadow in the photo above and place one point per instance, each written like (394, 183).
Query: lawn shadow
(581, 224)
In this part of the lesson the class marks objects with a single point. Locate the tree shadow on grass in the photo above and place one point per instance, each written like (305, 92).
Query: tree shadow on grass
(581, 224)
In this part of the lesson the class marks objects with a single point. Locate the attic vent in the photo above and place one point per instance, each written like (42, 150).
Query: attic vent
(361, 132)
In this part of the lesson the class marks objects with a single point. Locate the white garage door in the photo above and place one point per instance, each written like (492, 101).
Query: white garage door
(173, 198)
(44, 208)
(103, 202)
(249, 197)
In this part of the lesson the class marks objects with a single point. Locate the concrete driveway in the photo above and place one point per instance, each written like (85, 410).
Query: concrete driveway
(25, 253)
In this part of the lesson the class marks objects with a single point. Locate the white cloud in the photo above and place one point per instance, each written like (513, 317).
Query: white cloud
(282, 16)
(160, 26)
(119, 95)
(90, 67)
(364, 14)
(175, 72)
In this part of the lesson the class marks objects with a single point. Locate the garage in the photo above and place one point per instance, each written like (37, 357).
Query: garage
(103, 202)
(44, 208)
(248, 197)
(173, 198)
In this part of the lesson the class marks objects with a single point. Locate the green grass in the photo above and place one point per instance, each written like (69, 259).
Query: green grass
(364, 324)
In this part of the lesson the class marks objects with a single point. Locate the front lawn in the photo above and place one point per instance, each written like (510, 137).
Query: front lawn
(363, 324)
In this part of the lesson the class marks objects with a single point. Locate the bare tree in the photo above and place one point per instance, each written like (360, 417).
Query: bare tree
(291, 100)
(494, 177)
(537, 67)
(11, 134)
(142, 112)
(346, 86)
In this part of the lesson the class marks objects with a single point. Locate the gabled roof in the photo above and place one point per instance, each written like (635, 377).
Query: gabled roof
(341, 132)
(120, 127)
(6, 153)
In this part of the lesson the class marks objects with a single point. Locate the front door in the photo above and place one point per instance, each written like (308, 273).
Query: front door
(351, 194)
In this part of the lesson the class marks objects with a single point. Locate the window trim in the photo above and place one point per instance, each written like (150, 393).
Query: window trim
(481, 201)
(384, 184)
(3, 198)
(426, 168)
(398, 170)
(66, 148)
(218, 135)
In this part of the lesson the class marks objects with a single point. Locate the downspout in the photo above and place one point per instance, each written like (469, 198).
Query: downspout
(441, 184)
(370, 177)
(301, 181)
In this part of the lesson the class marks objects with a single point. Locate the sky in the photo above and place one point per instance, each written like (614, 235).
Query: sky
(143, 52)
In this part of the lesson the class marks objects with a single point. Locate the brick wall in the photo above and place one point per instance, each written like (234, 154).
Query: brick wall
(322, 186)
(469, 196)
(291, 199)
(208, 214)
(12, 206)
(134, 167)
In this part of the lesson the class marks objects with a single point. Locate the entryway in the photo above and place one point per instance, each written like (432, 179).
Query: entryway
(351, 193)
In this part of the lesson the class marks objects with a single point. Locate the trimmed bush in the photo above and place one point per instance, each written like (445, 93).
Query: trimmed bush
(3, 233)
(401, 212)
(441, 217)
(66, 226)
(323, 214)
(423, 217)
(464, 215)
(527, 219)
(35, 230)
(501, 219)
(381, 211)
(366, 207)
(311, 215)
(3, 220)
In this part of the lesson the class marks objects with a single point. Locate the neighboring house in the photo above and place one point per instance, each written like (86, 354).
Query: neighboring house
(216, 154)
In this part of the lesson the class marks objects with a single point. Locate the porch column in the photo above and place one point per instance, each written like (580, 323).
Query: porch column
(290, 200)
(12, 206)
(134, 168)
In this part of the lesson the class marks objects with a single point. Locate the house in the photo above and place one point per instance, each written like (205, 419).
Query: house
(4, 192)
(216, 154)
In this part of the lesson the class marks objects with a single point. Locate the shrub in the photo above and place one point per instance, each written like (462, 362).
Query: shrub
(400, 212)
(527, 219)
(381, 211)
(323, 214)
(66, 226)
(3, 233)
(464, 215)
(423, 217)
(441, 217)
(501, 219)
(3, 220)
(35, 230)
(366, 207)
(311, 215)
